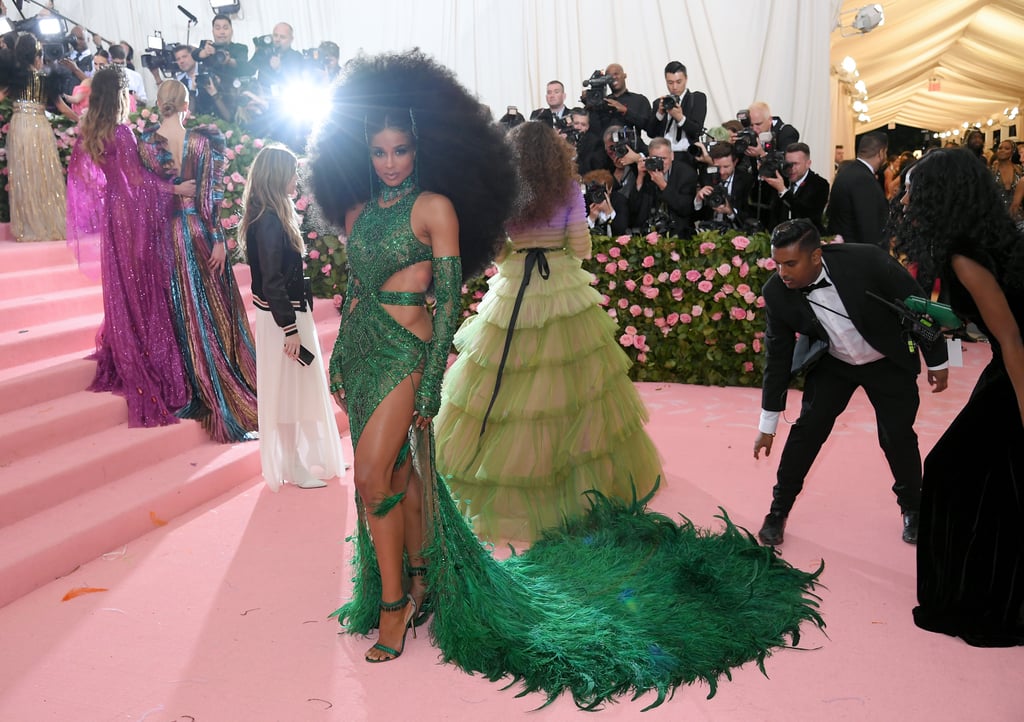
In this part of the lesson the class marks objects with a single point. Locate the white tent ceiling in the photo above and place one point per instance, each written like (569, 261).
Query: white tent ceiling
(973, 48)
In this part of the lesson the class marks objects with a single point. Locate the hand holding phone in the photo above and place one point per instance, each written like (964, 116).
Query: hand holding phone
(305, 356)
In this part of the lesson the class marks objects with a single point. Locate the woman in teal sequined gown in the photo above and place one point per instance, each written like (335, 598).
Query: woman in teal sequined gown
(617, 601)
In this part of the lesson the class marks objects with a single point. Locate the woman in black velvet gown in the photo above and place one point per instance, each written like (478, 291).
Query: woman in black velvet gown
(970, 554)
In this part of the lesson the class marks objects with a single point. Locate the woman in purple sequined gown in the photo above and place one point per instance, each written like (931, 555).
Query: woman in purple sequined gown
(116, 204)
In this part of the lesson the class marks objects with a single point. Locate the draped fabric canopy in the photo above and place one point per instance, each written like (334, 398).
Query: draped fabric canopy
(971, 47)
(506, 51)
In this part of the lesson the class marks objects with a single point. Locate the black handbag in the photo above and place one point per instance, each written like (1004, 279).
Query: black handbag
(807, 353)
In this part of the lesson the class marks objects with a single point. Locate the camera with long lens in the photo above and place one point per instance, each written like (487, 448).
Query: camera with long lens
(654, 163)
(159, 55)
(596, 90)
(623, 141)
(595, 193)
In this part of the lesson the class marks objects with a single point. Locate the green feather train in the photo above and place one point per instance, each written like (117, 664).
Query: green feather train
(620, 601)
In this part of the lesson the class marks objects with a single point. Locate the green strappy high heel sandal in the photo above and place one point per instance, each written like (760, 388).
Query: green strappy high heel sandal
(406, 601)
(426, 607)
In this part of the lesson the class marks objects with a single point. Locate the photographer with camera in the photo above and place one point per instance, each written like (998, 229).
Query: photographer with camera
(222, 56)
(665, 192)
(621, 160)
(678, 116)
(722, 201)
(805, 195)
(763, 137)
(621, 107)
(590, 153)
(607, 211)
(274, 61)
(204, 88)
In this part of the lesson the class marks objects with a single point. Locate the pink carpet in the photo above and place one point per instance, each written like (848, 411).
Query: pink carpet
(221, 613)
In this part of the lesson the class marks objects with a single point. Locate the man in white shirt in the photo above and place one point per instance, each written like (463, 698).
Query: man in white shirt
(823, 293)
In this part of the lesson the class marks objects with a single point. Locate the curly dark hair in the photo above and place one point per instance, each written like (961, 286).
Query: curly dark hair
(546, 171)
(955, 207)
(460, 152)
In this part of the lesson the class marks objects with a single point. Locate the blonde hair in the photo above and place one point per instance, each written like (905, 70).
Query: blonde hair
(266, 190)
(171, 97)
(108, 108)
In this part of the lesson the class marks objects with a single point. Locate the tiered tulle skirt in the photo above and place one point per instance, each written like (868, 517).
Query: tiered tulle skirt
(566, 419)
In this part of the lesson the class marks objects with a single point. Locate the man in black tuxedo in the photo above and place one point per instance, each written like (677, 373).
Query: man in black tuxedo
(857, 208)
(803, 193)
(735, 187)
(555, 98)
(773, 134)
(678, 116)
(669, 190)
(821, 293)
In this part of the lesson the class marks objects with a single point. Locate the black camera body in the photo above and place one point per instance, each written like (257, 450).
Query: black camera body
(659, 222)
(746, 138)
(161, 59)
(717, 197)
(595, 193)
(654, 163)
(624, 141)
(668, 103)
(774, 162)
(596, 90)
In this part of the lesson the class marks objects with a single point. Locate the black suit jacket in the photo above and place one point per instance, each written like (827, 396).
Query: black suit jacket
(695, 111)
(678, 195)
(807, 202)
(854, 270)
(637, 115)
(857, 207)
(742, 182)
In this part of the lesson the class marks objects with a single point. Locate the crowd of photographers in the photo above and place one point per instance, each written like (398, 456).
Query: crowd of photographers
(256, 90)
(646, 166)
(656, 166)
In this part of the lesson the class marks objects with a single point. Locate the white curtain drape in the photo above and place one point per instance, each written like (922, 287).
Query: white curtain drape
(736, 52)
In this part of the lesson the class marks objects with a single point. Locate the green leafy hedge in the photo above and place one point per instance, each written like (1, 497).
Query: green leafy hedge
(688, 310)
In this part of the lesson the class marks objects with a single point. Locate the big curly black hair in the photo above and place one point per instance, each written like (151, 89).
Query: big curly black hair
(955, 207)
(460, 152)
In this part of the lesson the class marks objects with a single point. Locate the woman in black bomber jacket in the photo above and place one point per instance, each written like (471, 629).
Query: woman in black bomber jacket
(298, 433)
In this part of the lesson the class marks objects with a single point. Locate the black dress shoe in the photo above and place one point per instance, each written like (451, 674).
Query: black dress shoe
(772, 530)
(910, 524)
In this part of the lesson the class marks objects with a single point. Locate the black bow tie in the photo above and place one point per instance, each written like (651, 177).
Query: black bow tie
(823, 283)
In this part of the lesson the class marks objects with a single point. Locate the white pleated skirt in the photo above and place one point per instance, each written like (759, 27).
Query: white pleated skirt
(298, 432)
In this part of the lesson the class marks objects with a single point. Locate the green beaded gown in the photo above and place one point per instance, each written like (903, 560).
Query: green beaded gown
(616, 601)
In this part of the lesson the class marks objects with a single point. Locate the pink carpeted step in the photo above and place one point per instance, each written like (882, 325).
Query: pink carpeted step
(43, 480)
(39, 428)
(106, 517)
(29, 309)
(49, 339)
(50, 378)
(24, 256)
(15, 284)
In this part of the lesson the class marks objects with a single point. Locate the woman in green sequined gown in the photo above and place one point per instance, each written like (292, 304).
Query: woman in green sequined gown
(390, 357)
(617, 601)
